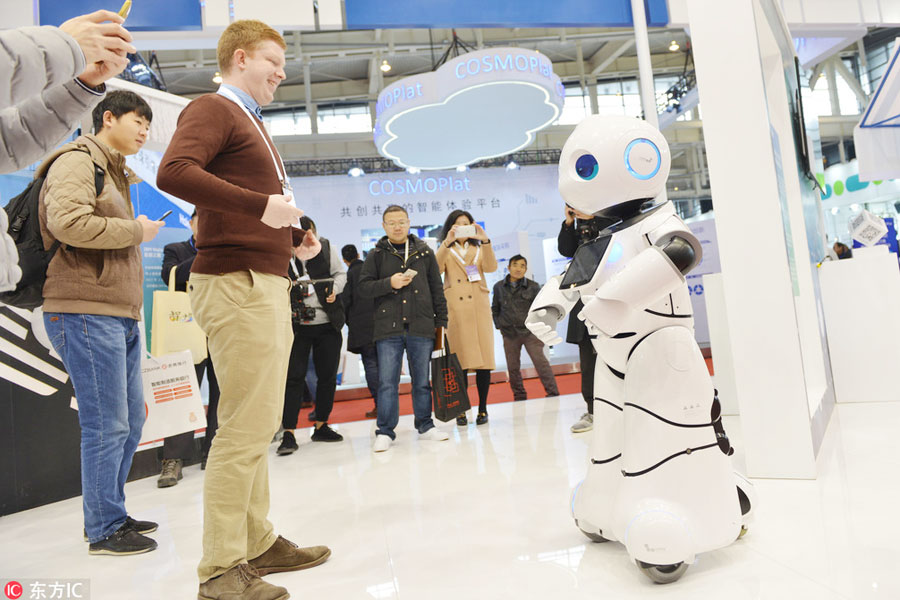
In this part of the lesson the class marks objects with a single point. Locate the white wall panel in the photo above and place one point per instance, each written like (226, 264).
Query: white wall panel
(890, 12)
(215, 14)
(793, 11)
(330, 14)
(296, 14)
(831, 11)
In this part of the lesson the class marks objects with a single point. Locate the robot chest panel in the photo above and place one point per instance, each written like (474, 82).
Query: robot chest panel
(622, 248)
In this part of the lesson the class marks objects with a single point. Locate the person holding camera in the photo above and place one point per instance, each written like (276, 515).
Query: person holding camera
(578, 228)
(317, 317)
(464, 256)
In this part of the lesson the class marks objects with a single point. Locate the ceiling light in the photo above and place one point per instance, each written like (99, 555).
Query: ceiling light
(673, 47)
(834, 210)
(413, 170)
(511, 165)
(385, 66)
(462, 168)
(356, 171)
(217, 78)
(676, 188)
(854, 207)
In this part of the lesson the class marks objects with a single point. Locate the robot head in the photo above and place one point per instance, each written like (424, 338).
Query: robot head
(610, 160)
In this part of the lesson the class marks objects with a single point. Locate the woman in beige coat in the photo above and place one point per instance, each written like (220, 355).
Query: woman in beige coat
(464, 257)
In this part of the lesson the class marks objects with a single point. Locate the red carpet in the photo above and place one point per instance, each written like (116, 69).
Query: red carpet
(355, 410)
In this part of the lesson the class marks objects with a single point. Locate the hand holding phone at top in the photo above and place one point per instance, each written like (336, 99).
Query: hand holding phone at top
(100, 36)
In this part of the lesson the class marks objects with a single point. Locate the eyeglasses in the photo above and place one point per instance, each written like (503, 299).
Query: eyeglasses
(396, 223)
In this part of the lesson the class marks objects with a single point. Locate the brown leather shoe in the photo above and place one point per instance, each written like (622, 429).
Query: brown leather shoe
(240, 582)
(285, 555)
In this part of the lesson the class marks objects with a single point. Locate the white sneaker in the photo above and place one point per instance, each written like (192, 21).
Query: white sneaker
(435, 435)
(382, 443)
(585, 423)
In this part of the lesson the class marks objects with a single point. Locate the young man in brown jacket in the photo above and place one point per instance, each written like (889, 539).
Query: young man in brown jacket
(222, 160)
(92, 305)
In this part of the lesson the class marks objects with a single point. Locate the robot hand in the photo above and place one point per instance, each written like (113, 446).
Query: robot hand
(606, 316)
(542, 323)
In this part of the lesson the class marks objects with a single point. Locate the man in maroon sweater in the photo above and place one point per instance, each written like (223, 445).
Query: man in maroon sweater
(222, 160)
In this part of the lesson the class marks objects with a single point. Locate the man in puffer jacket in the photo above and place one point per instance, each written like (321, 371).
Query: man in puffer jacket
(92, 305)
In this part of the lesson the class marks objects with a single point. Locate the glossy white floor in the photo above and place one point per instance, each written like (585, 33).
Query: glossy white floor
(485, 515)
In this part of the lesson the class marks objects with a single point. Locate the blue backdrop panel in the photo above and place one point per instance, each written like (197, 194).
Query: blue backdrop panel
(387, 14)
(146, 15)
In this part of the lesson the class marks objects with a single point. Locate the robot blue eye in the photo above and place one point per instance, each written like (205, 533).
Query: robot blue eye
(586, 166)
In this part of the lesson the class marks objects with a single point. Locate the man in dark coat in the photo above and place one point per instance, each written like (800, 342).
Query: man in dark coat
(177, 448)
(577, 229)
(513, 296)
(360, 312)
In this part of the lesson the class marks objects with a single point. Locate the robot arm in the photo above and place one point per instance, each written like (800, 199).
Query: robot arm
(649, 276)
(678, 242)
(549, 307)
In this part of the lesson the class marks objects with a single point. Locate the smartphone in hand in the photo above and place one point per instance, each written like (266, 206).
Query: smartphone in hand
(168, 212)
(410, 273)
(465, 231)
(126, 8)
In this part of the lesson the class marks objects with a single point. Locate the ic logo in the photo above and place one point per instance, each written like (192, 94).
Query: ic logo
(13, 590)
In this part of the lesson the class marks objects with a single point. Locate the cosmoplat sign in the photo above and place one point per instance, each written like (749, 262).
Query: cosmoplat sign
(479, 105)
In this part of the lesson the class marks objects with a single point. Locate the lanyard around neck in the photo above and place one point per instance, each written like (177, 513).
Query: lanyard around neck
(282, 173)
(465, 247)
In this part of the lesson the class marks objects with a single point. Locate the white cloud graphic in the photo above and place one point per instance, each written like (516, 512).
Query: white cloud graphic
(475, 123)
(479, 105)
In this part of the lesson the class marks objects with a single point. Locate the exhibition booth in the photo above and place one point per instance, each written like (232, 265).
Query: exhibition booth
(790, 333)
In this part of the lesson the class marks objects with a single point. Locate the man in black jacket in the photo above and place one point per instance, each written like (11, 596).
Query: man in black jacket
(402, 275)
(360, 313)
(577, 229)
(176, 448)
(512, 299)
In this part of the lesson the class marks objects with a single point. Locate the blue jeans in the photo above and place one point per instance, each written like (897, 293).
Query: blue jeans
(102, 356)
(418, 357)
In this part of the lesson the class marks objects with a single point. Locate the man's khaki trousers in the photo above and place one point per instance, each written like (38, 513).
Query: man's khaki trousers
(247, 318)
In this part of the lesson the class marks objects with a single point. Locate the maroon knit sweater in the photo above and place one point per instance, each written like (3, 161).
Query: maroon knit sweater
(218, 162)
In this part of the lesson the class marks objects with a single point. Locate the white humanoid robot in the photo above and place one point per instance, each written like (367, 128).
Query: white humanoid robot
(660, 479)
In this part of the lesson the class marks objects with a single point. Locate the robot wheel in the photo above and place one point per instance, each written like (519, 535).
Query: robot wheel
(663, 573)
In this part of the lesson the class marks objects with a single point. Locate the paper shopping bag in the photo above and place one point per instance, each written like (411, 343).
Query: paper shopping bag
(171, 396)
(173, 327)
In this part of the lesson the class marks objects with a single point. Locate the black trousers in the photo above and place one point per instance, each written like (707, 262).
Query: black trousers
(482, 384)
(588, 357)
(369, 355)
(324, 341)
(179, 446)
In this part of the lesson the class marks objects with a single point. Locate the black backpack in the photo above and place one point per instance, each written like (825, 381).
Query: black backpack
(25, 231)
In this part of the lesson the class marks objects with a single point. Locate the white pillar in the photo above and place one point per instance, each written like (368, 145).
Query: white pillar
(765, 265)
(645, 66)
(310, 106)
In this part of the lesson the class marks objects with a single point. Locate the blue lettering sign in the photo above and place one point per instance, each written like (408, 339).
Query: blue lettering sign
(397, 94)
(530, 63)
(430, 185)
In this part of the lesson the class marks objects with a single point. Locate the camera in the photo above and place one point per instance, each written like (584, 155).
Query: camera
(300, 311)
